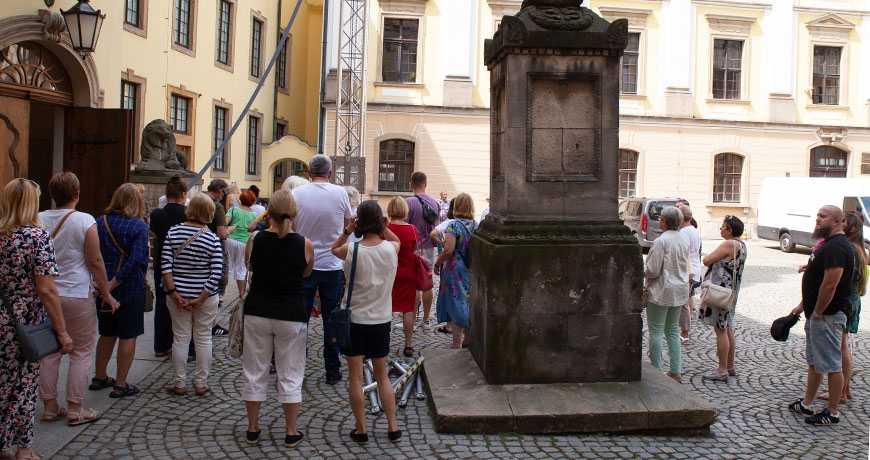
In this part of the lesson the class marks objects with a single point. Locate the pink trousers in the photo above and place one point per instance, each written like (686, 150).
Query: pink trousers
(80, 316)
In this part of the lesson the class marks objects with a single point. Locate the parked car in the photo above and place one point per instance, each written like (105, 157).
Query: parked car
(641, 215)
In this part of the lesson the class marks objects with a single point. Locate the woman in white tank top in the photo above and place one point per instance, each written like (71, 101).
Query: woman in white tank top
(371, 309)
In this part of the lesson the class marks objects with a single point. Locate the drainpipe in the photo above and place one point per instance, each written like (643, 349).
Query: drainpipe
(321, 121)
(275, 90)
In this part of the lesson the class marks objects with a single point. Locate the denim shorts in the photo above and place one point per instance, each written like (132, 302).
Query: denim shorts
(824, 337)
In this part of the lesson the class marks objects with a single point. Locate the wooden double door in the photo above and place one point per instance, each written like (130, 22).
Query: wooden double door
(38, 139)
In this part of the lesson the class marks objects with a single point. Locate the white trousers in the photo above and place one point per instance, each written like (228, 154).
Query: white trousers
(236, 259)
(196, 324)
(288, 340)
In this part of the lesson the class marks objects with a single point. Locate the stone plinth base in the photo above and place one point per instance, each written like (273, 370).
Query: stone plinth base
(155, 183)
(556, 302)
(462, 402)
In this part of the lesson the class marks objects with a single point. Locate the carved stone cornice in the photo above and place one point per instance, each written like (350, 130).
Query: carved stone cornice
(730, 25)
(54, 25)
(554, 233)
(414, 7)
(636, 16)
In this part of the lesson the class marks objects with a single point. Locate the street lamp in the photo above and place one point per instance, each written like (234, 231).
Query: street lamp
(83, 25)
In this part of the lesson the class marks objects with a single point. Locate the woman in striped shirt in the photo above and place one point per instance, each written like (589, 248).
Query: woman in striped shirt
(192, 263)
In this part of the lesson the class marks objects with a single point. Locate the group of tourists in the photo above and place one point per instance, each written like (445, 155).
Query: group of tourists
(87, 275)
(834, 280)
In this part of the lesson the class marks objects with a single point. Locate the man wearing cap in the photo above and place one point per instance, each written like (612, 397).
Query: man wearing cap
(825, 301)
(217, 190)
(323, 213)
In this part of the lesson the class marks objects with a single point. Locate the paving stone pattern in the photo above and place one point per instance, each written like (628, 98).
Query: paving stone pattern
(753, 419)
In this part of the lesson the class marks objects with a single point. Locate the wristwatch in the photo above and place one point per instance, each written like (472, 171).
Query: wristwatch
(345, 232)
(170, 291)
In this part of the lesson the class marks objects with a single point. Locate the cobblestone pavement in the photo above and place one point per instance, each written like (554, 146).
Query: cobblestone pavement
(753, 419)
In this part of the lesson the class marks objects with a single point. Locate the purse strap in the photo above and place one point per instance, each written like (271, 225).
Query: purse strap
(57, 229)
(352, 273)
(189, 240)
(123, 253)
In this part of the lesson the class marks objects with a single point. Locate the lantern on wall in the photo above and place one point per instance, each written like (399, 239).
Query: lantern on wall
(83, 24)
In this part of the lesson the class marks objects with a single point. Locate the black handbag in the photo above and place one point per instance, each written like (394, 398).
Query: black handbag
(339, 320)
(36, 340)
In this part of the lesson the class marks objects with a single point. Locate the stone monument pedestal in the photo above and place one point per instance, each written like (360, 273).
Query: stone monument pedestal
(155, 181)
(461, 402)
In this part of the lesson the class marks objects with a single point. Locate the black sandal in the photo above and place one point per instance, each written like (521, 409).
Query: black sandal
(99, 384)
(408, 351)
(443, 330)
(120, 392)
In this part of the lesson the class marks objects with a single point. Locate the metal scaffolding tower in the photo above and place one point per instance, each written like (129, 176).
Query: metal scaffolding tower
(350, 102)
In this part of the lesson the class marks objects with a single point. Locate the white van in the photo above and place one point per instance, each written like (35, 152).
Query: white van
(787, 206)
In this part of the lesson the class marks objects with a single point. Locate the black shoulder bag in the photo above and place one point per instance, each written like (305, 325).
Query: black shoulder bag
(339, 320)
(429, 214)
(36, 340)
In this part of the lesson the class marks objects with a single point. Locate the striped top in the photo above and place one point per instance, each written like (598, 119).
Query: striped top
(198, 267)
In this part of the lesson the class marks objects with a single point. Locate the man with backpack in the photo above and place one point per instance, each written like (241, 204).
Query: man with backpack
(423, 214)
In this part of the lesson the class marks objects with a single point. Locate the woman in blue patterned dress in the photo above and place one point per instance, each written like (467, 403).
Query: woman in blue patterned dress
(451, 266)
(27, 270)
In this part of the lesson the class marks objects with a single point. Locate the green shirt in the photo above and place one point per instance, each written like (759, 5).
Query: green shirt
(241, 219)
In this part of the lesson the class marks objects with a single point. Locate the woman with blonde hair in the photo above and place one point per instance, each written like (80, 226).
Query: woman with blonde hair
(452, 266)
(27, 273)
(124, 245)
(192, 264)
(80, 266)
(276, 319)
(405, 284)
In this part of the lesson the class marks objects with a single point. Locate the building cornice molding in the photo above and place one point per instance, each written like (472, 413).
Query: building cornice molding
(415, 7)
(733, 5)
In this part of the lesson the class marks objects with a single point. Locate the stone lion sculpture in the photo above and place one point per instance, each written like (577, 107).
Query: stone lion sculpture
(158, 149)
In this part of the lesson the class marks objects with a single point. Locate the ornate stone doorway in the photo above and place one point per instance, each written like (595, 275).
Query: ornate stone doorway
(50, 119)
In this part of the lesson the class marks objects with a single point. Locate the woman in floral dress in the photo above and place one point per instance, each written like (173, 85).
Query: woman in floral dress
(27, 270)
(452, 267)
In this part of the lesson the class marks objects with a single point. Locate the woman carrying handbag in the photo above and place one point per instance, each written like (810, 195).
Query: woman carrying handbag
(726, 264)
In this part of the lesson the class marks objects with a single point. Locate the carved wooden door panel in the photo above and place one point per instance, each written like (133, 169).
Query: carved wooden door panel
(14, 129)
(97, 148)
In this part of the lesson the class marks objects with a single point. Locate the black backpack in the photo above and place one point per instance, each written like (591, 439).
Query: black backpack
(429, 214)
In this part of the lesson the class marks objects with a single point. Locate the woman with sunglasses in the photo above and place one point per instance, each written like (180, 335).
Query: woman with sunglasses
(726, 264)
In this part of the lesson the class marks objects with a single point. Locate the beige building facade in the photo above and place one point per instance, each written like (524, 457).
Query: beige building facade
(716, 96)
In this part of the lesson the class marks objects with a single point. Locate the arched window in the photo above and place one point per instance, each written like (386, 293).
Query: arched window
(827, 161)
(30, 64)
(727, 174)
(627, 173)
(395, 165)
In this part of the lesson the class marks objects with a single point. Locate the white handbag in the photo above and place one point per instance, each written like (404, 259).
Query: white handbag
(713, 295)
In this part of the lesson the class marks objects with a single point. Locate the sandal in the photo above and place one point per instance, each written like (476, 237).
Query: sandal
(120, 392)
(715, 375)
(443, 329)
(201, 391)
(408, 351)
(826, 395)
(49, 417)
(81, 418)
(732, 372)
(677, 377)
(99, 384)
(177, 391)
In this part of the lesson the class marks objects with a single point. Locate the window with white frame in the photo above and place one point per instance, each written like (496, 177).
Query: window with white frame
(395, 165)
(627, 173)
(399, 59)
(826, 75)
(727, 176)
(729, 43)
(827, 161)
(631, 77)
(727, 63)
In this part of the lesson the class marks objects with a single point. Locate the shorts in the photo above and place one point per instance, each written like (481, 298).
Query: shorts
(824, 337)
(128, 321)
(369, 340)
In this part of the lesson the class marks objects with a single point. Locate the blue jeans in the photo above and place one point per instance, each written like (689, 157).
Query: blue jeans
(329, 285)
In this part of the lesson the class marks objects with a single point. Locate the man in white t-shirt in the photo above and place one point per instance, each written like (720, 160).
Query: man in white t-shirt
(691, 235)
(323, 213)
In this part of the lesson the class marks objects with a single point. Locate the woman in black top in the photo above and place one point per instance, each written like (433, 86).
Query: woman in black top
(275, 316)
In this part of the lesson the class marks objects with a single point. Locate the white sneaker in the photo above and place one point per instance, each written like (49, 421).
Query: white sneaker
(427, 325)
(401, 326)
